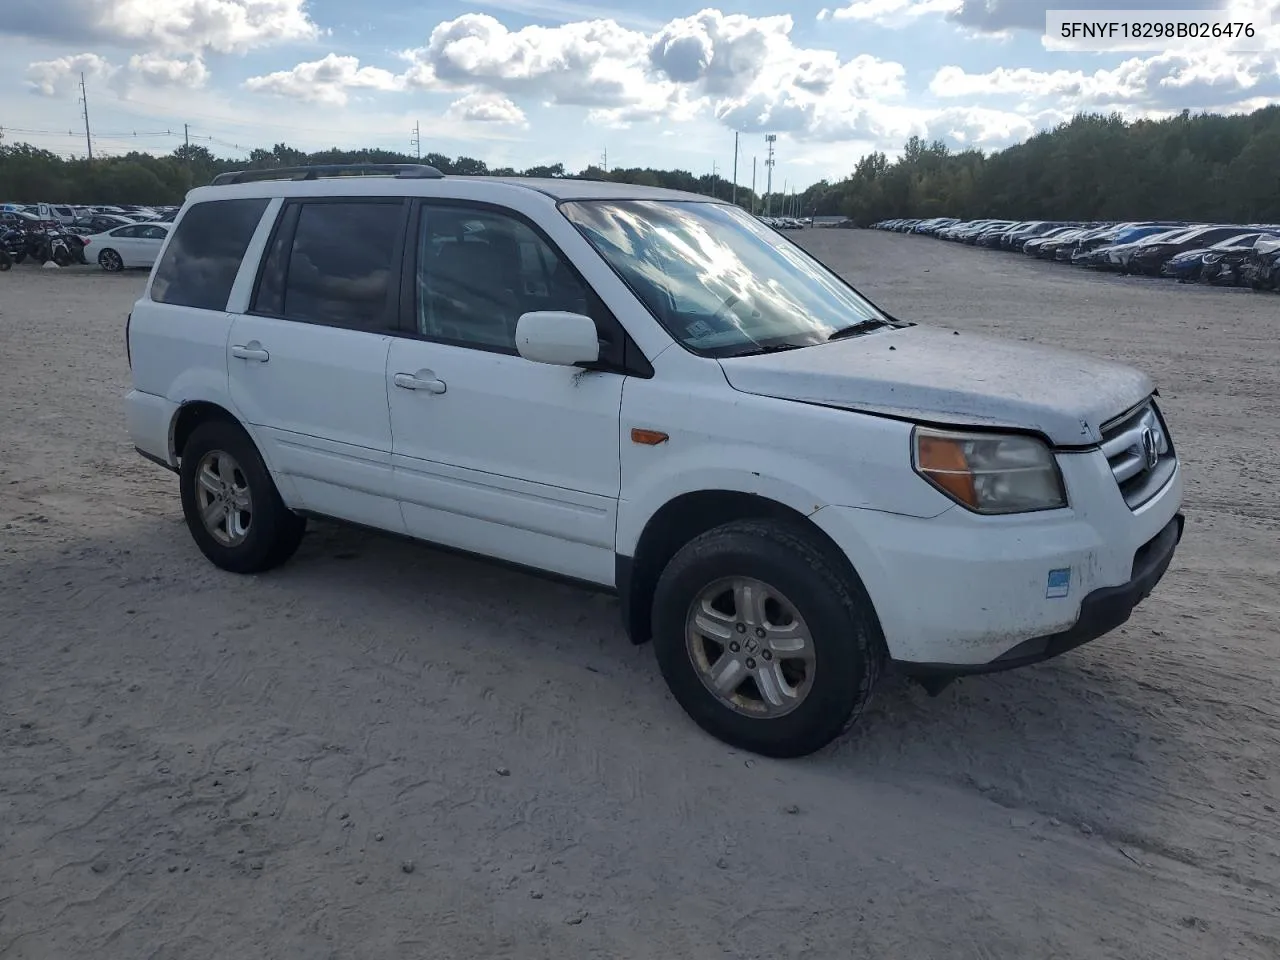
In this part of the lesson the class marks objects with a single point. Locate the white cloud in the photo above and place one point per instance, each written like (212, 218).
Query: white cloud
(588, 63)
(167, 26)
(55, 78)
(1168, 81)
(485, 108)
(328, 80)
(60, 77)
(894, 13)
(160, 71)
(744, 71)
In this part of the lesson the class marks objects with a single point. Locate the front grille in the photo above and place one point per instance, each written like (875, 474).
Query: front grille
(1138, 448)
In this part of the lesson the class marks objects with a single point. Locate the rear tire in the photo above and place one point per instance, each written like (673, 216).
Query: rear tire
(781, 585)
(110, 261)
(231, 504)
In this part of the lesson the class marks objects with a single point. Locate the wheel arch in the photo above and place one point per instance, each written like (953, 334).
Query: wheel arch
(677, 522)
(189, 416)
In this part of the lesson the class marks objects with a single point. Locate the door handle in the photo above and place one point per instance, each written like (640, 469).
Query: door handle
(410, 382)
(251, 351)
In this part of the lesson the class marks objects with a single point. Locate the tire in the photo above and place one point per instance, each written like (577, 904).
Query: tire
(846, 645)
(110, 261)
(6, 262)
(251, 540)
(62, 258)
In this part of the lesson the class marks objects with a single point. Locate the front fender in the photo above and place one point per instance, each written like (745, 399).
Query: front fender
(801, 455)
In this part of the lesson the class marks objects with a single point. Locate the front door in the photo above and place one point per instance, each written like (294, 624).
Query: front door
(493, 453)
(308, 364)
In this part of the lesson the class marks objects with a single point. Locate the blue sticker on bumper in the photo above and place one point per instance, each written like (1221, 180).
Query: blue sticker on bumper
(1059, 584)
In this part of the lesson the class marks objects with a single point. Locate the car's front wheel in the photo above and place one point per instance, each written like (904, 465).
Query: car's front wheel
(231, 504)
(765, 639)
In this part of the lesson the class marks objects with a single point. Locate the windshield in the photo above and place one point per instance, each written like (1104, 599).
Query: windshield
(1242, 240)
(719, 281)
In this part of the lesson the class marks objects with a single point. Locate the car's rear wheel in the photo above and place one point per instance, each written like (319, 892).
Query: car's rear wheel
(231, 504)
(765, 638)
(110, 261)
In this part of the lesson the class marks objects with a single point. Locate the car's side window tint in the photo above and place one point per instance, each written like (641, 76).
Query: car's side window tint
(200, 265)
(340, 267)
(479, 270)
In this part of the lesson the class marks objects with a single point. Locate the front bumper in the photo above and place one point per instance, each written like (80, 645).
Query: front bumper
(961, 592)
(1102, 611)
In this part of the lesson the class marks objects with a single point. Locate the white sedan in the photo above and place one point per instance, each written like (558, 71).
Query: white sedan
(135, 245)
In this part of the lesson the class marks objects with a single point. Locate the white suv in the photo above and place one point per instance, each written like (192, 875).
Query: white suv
(652, 393)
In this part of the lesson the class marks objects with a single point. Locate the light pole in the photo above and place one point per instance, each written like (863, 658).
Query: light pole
(735, 167)
(770, 139)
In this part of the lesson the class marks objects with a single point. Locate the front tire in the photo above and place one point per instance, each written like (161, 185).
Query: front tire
(231, 504)
(764, 638)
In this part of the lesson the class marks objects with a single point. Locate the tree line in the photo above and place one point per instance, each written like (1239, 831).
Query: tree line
(1093, 167)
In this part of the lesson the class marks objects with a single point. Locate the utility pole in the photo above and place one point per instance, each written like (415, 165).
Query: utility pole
(770, 139)
(84, 99)
(604, 160)
(753, 186)
(417, 139)
(735, 166)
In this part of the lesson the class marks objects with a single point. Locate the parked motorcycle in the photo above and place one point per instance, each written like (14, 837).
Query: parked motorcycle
(14, 244)
(52, 245)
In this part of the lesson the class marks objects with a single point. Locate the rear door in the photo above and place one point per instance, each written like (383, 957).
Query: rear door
(123, 240)
(177, 331)
(307, 362)
(147, 245)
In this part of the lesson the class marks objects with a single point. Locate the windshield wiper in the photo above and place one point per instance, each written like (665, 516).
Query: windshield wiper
(856, 328)
(759, 348)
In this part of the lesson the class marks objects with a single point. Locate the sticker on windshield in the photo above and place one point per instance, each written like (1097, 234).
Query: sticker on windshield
(1059, 584)
(699, 328)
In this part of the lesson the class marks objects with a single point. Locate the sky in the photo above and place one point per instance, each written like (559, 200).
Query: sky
(660, 83)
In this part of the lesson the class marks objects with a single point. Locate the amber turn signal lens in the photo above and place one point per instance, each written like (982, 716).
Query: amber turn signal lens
(650, 438)
(943, 460)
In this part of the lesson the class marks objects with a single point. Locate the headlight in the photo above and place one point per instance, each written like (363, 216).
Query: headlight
(989, 473)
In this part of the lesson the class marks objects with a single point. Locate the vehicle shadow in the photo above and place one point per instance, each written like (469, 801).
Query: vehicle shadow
(1075, 740)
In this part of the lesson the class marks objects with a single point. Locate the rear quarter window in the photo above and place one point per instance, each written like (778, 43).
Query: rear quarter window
(200, 264)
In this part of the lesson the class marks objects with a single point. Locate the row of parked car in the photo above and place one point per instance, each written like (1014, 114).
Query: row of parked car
(1222, 254)
(68, 213)
(113, 240)
(785, 223)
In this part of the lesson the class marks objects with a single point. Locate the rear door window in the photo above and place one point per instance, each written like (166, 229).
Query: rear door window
(200, 264)
(335, 262)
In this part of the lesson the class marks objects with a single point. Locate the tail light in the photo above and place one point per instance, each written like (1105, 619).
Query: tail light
(128, 353)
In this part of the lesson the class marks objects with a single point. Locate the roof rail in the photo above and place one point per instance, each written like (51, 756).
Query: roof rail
(402, 171)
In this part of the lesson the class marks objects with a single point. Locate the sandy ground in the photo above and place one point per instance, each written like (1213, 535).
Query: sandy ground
(383, 751)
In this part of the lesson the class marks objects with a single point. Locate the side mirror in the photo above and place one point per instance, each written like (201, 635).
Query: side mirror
(556, 337)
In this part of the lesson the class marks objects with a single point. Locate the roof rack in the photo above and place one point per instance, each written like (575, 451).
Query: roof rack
(401, 171)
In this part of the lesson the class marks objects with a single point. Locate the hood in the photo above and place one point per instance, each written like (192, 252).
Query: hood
(933, 375)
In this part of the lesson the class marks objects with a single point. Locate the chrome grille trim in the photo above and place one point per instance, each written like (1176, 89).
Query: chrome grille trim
(1140, 453)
